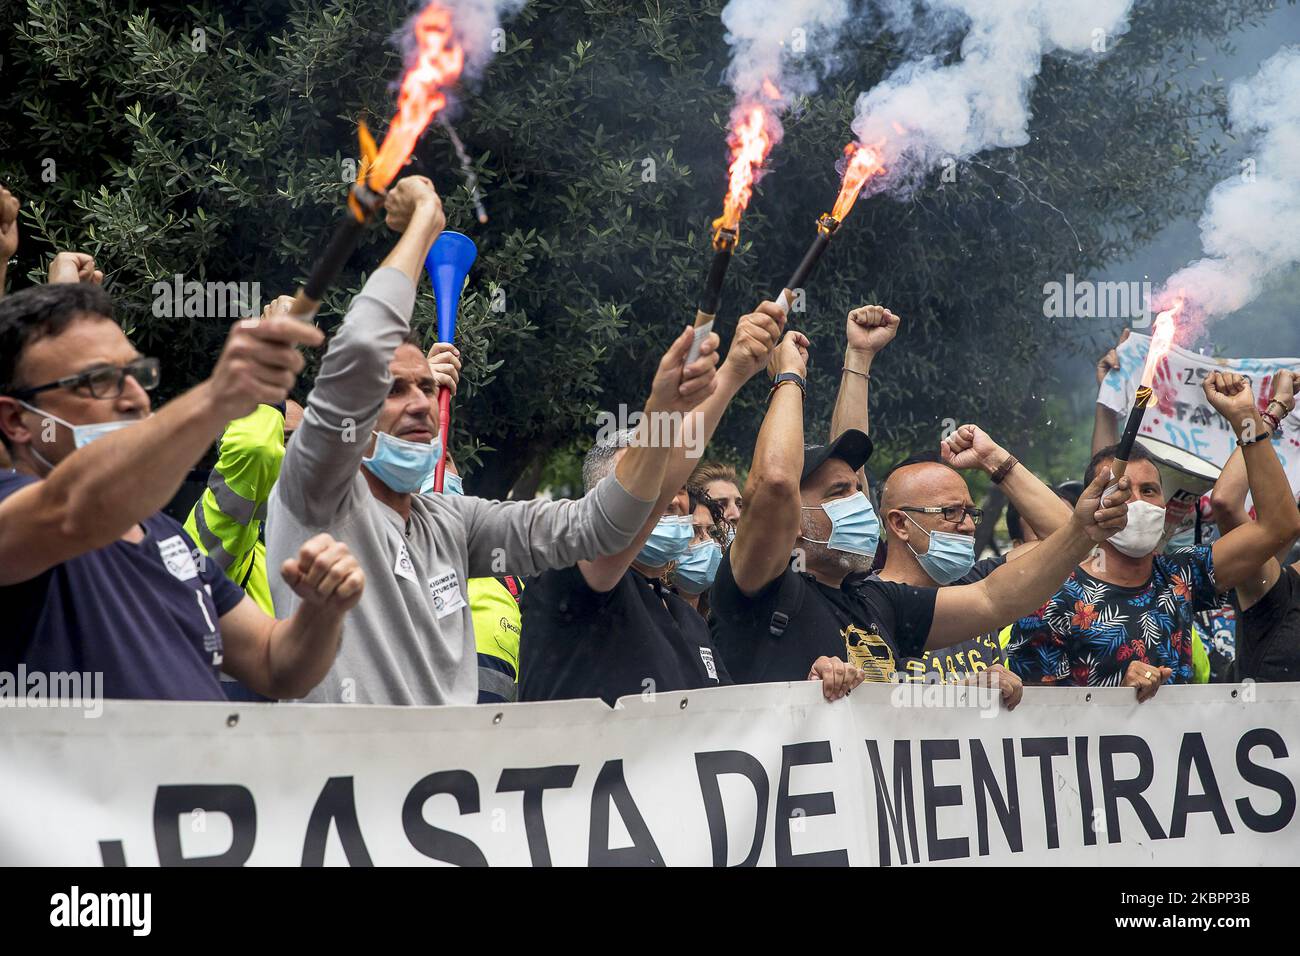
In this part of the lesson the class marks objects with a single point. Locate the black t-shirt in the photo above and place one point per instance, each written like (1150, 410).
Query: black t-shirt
(870, 622)
(145, 615)
(958, 661)
(638, 637)
(1268, 633)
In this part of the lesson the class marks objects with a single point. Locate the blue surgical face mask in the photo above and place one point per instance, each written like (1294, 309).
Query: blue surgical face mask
(854, 525)
(451, 484)
(403, 465)
(949, 557)
(82, 435)
(668, 541)
(697, 569)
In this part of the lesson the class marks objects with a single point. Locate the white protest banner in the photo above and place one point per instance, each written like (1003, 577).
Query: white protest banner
(1181, 416)
(764, 774)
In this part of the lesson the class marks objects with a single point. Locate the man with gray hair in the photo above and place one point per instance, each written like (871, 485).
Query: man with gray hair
(611, 627)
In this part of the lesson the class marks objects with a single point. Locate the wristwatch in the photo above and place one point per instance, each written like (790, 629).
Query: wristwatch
(789, 377)
(1004, 469)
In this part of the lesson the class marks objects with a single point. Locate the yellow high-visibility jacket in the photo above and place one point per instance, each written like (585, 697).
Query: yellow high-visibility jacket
(226, 521)
(494, 606)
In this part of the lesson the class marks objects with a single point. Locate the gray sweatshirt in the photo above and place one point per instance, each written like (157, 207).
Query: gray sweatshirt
(410, 640)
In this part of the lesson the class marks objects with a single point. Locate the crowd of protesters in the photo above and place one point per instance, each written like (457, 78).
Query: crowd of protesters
(320, 565)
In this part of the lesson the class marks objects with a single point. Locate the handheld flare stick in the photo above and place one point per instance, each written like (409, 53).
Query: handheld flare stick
(749, 141)
(364, 200)
(447, 263)
(827, 226)
(1161, 342)
(435, 63)
(863, 162)
(724, 243)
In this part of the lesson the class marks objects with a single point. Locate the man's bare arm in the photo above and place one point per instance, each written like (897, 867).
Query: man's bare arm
(1241, 554)
(756, 335)
(8, 232)
(869, 329)
(1228, 499)
(1021, 587)
(769, 525)
(1105, 428)
(101, 491)
(971, 447)
(285, 659)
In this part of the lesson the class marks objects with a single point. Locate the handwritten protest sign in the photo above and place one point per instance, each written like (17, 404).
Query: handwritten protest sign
(1182, 417)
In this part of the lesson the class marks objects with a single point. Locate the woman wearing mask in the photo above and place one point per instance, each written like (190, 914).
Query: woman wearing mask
(693, 574)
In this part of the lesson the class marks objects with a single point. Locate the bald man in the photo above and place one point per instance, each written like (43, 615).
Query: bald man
(931, 518)
(774, 613)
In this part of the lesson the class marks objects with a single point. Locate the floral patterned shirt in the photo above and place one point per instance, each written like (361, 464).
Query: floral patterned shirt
(1090, 631)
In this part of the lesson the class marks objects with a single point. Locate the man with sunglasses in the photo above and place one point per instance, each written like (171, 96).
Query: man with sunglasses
(93, 578)
(930, 519)
(774, 613)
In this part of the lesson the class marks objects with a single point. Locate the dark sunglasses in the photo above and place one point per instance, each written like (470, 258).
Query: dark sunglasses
(103, 381)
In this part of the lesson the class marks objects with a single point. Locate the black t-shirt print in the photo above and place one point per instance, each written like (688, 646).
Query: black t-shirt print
(1268, 633)
(956, 662)
(868, 622)
(637, 637)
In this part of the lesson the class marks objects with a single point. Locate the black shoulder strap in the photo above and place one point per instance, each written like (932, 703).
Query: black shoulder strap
(788, 601)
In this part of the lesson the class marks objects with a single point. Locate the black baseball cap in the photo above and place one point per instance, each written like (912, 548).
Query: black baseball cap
(853, 448)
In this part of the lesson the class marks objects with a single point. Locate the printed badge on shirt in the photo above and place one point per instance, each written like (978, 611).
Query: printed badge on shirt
(177, 558)
(706, 655)
(444, 591)
(403, 567)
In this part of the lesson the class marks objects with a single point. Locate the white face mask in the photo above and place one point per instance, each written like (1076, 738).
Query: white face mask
(1145, 528)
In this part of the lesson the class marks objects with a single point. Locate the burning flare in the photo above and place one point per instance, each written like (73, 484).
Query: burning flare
(1162, 340)
(750, 143)
(863, 163)
(437, 64)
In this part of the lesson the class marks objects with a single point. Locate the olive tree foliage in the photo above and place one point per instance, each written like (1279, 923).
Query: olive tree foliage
(214, 140)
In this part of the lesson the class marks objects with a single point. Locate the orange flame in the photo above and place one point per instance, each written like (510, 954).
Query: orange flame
(438, 62)
(1162, 340)
(750, 143)
(864, 162)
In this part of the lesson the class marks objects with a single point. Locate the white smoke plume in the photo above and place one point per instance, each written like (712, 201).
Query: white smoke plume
(1250, 230)
(477, 24)
(787, 43)
(928, 112)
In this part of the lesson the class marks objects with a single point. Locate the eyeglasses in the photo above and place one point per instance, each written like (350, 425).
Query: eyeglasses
(954, 513)
(103, 381)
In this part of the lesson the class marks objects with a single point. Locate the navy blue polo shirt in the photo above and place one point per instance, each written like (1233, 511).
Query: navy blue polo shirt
(145, 615)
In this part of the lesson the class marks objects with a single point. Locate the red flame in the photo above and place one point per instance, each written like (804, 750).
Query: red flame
(863, 163)
(1162, 340)
(750, 143)
(438, 62)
